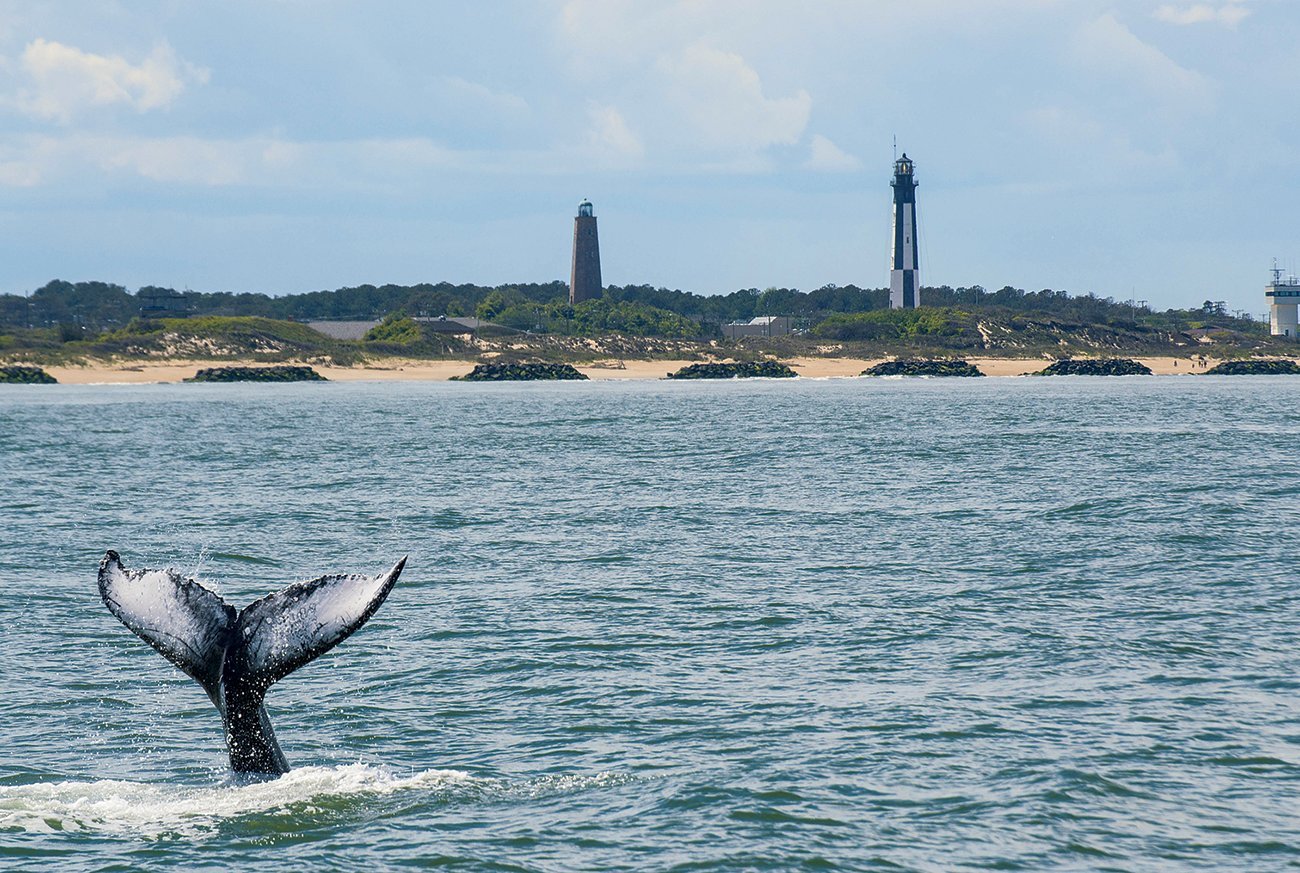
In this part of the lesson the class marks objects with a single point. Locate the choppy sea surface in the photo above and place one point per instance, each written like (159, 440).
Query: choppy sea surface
(908, 624)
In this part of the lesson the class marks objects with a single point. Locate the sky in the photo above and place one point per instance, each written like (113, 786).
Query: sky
(1130, 148)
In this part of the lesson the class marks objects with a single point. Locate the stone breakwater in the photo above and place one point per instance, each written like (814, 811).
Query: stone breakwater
(520, 373)
(743, 370)
(257, 374)
(923, 368)
(18, 374)
(1254, 368)
(1096, 367)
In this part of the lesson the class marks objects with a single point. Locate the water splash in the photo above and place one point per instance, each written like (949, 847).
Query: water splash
(158, 809)
(154, 810)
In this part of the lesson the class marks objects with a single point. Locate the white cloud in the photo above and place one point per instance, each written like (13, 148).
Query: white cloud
(1111, 50)
(1092, 148)
(19, 174)
(62, 81)
(257, 161)
(827, 157)
(186, 160)
(402, 154)
(693, 100)
(35, 160)
(719, 100)
(473, 97)
(1228, 14)
(610, 138)
(605, 33)
(1063, 125)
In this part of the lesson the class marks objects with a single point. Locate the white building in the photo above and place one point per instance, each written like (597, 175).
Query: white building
(1283, 297)
(764, 325)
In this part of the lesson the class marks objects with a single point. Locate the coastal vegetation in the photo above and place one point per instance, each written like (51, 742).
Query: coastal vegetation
(257, 374)
(907, 367)
(398, 328)
(589, 318)
(207, 337)
(66, 322)
(1096, 367)
(899, 324)
(22, 375)
(740, 370)
(531, 372)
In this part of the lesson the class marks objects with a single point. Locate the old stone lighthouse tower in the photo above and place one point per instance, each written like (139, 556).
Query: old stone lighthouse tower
(584, 282)
(904, 275)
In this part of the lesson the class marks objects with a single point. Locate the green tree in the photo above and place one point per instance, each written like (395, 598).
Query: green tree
(398, 328)
(497, 302)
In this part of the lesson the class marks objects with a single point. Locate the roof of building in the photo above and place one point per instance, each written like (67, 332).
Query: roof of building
(355, 330)
(456, 324)
(342, 330)
(764, 319)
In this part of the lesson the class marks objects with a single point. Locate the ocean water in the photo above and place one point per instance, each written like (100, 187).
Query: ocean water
(998, 624)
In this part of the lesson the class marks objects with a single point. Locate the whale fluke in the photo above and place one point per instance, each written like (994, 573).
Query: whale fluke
(285, 630)
(236, 655)
(185, 622)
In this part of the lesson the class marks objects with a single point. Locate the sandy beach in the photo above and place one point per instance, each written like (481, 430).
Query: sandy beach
(422, 371)
(832, 367)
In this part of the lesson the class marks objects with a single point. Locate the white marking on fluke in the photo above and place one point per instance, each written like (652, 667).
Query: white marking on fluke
(236, 655)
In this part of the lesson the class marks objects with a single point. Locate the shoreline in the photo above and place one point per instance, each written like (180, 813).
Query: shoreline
(128, 373)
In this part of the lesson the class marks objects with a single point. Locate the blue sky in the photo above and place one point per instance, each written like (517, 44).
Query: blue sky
(1133, 148)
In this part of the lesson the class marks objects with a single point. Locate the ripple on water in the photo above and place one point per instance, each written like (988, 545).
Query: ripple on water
(840, 624)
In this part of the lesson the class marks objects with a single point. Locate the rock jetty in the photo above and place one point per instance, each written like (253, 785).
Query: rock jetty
(1096, 367)
(1254, 368)
(520, 373)
(19, 374)
(257, 374)
(743, 370)
(923, 368)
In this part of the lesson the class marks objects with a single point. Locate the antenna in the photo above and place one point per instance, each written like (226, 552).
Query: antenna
(895, 148)
(1277, 273)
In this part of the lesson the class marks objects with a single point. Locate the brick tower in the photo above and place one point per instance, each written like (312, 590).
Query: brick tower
(904, 275)
(584, 283)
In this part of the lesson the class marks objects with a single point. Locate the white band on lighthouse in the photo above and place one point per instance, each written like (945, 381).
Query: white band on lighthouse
(904, 275)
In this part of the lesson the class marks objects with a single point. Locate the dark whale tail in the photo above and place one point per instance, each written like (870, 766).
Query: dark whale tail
(236, 655)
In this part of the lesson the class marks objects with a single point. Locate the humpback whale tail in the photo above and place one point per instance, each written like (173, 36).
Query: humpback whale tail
(236, 655)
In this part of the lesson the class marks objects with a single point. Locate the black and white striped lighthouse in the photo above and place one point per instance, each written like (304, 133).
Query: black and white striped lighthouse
(904, 275)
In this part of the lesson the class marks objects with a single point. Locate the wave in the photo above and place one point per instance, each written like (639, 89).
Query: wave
(157, 809)
(154, 809)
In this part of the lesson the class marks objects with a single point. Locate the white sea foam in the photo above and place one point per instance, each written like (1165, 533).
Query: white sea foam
(154, 809)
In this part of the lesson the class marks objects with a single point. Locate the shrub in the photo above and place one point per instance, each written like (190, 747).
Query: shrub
(398, 328)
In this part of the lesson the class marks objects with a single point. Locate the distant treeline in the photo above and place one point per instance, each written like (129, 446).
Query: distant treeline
(80, 308)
